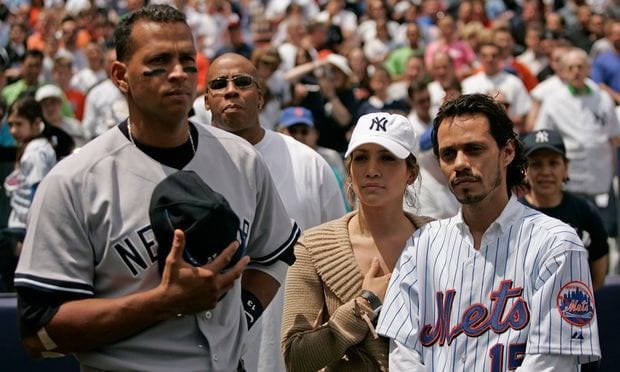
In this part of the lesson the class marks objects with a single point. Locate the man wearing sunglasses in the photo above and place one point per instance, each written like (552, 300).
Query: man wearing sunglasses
(88, 279)
(304, 180)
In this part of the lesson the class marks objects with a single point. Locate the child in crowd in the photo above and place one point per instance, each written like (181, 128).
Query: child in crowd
(35, 158)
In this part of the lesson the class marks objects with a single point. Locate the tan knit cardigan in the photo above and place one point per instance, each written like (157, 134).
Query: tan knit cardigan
(321, 325)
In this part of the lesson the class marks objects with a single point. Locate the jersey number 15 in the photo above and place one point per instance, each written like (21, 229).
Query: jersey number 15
(514, 357)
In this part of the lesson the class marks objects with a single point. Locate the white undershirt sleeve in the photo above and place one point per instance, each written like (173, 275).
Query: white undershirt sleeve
(402, 358)
(549, 363)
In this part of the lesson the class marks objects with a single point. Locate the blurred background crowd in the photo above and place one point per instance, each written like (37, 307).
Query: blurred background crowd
(553, 64)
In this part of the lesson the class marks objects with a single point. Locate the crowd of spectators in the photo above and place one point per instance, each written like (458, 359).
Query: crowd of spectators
(341, 59)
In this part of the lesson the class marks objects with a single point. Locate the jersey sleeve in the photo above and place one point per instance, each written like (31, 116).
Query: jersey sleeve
(399, 319)
(563, 315)
(273, 233)
(57, 257)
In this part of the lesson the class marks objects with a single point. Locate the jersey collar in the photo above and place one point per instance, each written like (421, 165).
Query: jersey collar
(511, 213)
(586, 90)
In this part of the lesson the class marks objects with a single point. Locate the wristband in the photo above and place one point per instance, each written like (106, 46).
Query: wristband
(251, 306)
(373, 300)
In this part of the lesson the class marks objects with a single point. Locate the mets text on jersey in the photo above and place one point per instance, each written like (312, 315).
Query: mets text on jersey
(477, 319)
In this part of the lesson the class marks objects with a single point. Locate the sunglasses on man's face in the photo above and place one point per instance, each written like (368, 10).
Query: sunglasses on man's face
(240, 81)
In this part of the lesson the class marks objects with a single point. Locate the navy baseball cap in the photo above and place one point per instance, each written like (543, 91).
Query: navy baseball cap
(296, 115)
(184, 201)
(543, 139)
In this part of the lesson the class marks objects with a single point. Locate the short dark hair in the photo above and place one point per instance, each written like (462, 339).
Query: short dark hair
(415, 87)
(155, 13)
(68, 18)
(33, 53)
(453, 83)
(500, 126)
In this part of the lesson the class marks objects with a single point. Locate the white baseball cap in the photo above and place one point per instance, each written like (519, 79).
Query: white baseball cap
(340, 62)
(392, 131)
(48, 91)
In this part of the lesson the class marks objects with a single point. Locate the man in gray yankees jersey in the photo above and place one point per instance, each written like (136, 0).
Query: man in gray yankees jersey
(304, 180)
(499, 286)
(88, 278)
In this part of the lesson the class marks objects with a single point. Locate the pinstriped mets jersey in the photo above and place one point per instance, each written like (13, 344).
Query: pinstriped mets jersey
(526, 290)
(89, 235)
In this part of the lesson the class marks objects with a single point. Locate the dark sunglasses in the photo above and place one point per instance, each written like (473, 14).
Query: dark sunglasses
(240, 81)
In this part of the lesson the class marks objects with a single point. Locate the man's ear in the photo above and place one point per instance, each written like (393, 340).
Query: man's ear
(508, 152)
(261, 100)
(207, 106)
(119, 76)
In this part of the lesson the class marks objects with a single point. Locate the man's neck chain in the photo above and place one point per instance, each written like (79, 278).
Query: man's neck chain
(189, 134)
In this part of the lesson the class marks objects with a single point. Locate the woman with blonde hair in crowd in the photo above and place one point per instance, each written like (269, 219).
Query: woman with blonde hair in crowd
(335, 288)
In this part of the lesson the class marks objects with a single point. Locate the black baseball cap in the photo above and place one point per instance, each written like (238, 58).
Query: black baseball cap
(184, 201)
(543, 139)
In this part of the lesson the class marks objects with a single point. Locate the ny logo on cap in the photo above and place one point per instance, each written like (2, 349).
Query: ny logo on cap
(542, 136)
(380, 123)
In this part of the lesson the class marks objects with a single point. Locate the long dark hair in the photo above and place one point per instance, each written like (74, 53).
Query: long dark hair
(500, 126)
(29, 109)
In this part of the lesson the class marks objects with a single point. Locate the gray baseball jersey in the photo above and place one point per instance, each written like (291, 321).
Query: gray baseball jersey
(526, 290)
(89, 234)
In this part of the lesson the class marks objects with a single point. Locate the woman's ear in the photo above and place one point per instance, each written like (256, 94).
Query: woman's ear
(413, 174)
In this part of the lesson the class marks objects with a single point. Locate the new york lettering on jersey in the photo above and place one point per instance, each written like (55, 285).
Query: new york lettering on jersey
(139, 257)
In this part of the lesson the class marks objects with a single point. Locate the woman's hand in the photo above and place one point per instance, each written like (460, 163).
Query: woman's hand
(374, 282)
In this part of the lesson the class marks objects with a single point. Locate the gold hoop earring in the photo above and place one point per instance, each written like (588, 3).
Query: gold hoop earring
(350, 193)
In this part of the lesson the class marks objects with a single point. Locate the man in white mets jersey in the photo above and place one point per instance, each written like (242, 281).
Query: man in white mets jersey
(88, 278)
(499, 286)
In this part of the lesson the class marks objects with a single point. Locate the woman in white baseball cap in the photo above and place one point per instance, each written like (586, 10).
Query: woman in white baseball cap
(335, 288)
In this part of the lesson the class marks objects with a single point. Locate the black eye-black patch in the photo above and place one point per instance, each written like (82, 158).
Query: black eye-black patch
(154, 72)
